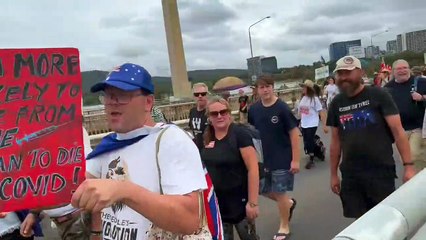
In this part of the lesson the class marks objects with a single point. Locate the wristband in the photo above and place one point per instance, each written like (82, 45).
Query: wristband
(253, 204)
(408, 164)
(96, 233)
(35, 213)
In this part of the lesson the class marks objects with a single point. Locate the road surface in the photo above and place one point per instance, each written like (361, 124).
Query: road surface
(318, 215)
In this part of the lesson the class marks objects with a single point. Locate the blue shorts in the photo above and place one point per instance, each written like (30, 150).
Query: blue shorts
(277, 181)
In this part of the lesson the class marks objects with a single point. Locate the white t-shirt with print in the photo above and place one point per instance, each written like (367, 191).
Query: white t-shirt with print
(332, 90)
(9, 224)
(62, 211)
(181, 173)
(309, 112)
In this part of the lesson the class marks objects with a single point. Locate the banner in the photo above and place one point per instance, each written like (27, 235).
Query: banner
(322, 72)
(41, 142)
(357, 51)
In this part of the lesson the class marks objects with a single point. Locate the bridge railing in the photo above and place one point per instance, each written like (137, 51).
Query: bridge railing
(95, 119)
(398, 217)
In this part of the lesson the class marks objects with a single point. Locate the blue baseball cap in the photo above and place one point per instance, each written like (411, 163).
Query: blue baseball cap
(127, 77)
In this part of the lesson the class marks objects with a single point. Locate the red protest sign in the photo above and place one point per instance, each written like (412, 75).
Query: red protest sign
(41, 142)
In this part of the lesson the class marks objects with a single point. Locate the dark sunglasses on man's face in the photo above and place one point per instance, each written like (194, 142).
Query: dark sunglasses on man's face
(202, 94)
(221, 112)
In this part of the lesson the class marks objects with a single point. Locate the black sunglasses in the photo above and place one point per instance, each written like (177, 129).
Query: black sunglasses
(200, 94)
(221, 112)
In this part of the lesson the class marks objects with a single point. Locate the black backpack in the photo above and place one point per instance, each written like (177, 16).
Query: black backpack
(257, 143)
(319, 148)
(414, 89)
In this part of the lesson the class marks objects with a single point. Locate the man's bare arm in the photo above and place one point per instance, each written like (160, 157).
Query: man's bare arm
(335, 151)
(175, 213)
(295, 145)
(96, 219)
(401, 140)
(295, 148)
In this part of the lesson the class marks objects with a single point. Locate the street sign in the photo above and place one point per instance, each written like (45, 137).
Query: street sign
(322, 72)
(357, 51)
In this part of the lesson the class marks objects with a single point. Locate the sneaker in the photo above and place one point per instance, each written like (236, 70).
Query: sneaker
(293, 206)
(309, 165)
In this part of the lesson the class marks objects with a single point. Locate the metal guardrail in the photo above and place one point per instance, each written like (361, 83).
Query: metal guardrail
(94, 139)
(99, 109)
(96, 124)
(398, 217)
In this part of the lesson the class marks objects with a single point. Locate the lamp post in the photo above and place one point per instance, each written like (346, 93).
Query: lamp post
(371, 39)
(251, 47)
(377, 34)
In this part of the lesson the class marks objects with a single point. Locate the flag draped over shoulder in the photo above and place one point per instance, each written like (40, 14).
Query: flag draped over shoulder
(211, 205)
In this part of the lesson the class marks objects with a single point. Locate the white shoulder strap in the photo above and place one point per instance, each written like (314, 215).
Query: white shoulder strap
(157, 149)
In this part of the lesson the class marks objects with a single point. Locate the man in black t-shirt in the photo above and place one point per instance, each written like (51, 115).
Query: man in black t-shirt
(281, 149)
(409, 94)
(243, 100)
(197, 115)
(364, 122)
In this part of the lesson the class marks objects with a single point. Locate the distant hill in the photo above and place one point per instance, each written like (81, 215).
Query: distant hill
(92, 77)
(163, 85)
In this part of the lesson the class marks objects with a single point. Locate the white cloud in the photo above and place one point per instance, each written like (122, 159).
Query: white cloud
(215, 32)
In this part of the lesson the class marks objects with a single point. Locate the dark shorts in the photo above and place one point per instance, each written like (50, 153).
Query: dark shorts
(277, 181)
(360, 194)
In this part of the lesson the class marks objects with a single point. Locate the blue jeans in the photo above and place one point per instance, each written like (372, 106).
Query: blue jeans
(277, 181)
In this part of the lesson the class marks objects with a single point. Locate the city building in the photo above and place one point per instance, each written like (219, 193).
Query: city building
(412, 41)
(391, 47)
(338, 50)
(258, 66)
(372, 52)
(401, 44)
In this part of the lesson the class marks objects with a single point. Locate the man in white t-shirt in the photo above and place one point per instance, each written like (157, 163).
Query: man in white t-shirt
(71, 222)
(331, 89)
(125, 188)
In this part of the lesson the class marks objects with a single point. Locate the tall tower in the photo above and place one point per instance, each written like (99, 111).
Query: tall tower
(181, 85)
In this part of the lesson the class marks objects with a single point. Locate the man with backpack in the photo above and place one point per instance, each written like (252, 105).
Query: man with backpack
(409, 94)
(139, 179)
(281, 150)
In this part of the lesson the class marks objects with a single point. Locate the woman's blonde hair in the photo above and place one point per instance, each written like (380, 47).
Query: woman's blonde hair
(209, 133)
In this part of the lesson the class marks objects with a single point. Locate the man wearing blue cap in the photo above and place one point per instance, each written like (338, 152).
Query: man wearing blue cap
(128, 171)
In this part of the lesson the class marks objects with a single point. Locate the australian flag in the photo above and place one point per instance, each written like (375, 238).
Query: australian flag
(211, 206)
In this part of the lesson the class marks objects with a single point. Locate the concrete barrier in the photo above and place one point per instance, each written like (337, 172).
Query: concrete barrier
(397, 217)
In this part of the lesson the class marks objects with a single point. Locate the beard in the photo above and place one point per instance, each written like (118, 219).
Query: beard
(348, 87)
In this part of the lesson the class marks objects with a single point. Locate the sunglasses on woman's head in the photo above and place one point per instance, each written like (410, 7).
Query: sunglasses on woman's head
(200, 94)
(221, 112)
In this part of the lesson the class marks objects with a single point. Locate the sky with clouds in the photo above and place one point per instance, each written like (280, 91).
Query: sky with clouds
(215, 32)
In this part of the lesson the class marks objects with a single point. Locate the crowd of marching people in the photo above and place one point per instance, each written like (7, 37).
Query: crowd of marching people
(153, 180)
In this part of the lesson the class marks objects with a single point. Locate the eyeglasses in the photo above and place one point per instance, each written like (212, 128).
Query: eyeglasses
(202, 94)
(223, 112)
(107, 98)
